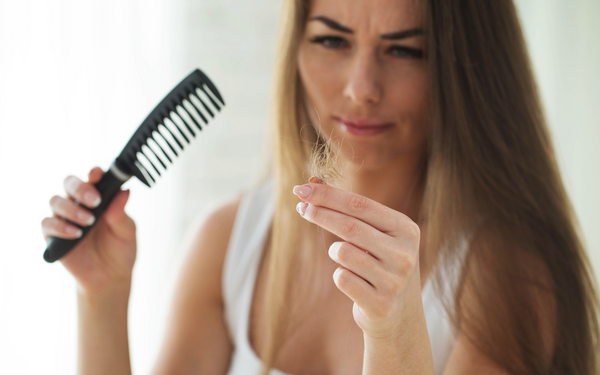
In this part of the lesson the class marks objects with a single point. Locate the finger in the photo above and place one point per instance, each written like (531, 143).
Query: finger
(83, 192)
(120, 224)
(95, 175)
(371, 212)
(55, 227)
(69, 210)
(349, 229)
(353, 286)
(385, 280)
(360, 262)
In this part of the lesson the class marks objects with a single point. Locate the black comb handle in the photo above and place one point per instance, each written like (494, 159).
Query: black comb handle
(108, 186)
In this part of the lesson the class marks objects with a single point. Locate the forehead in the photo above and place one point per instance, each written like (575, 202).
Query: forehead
(377, 16)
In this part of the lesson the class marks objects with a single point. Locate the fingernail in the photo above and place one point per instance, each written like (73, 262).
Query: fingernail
(75, 231)
(336, 274)
(86, 217)
(315, 180)
(92, 199)
(333, 249)
(301, 208)
(302, 191)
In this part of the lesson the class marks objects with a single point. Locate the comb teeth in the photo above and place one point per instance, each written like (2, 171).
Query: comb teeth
(172, 123)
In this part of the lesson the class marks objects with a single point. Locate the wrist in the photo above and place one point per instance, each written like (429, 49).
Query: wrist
(406, 348)
(114, 292)
(408, 319)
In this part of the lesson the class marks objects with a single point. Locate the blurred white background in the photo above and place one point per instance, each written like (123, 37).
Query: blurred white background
(78, 76)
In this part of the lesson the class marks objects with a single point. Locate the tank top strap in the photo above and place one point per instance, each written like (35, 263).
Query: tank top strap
(248, 236)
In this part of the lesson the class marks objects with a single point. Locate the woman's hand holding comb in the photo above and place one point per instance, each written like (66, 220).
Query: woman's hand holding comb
(105, 257)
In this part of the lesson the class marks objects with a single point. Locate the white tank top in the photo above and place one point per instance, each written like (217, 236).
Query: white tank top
(240, 270)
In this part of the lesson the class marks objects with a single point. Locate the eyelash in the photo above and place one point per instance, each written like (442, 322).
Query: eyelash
(401, 51)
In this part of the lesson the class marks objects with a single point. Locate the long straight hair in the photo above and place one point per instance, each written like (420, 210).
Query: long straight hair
(490, 170)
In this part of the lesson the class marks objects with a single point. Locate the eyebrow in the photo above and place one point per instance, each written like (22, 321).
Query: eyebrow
(331, 23)
(389, 36)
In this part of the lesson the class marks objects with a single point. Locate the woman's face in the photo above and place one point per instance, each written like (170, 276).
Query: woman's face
(365, 77)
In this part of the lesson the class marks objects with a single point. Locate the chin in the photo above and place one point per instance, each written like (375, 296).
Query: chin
(370, 157)
(368, 153)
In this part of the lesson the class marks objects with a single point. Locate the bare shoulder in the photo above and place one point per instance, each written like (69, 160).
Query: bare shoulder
(206, 245)
(196, 339)
(209, 236)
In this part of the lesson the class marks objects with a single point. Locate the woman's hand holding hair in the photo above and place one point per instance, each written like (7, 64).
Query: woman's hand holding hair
(379, 271)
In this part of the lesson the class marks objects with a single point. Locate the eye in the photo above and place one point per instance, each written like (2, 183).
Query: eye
(406, 52)
(333, 42)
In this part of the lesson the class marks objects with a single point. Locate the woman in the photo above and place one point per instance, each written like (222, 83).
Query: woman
(452, 185)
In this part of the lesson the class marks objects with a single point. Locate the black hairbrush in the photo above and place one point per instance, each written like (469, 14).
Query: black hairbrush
(193, 97)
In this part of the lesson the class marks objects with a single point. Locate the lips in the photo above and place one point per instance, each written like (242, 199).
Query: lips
(361, 127)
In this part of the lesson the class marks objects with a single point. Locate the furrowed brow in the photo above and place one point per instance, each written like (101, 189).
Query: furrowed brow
(332, 24)
(403, 34)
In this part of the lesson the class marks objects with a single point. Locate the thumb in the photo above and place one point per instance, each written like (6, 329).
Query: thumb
(116, 218)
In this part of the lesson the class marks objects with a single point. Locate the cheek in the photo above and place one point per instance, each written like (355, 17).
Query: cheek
(319, 79)
(410, 93)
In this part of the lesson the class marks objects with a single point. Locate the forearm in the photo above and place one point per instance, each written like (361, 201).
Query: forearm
(103, 339)
(408, 352)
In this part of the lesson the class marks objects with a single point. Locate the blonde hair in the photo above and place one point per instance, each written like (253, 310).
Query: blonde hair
(489, 157)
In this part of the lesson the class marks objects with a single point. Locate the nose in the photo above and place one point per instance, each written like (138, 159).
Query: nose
(363, 86)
